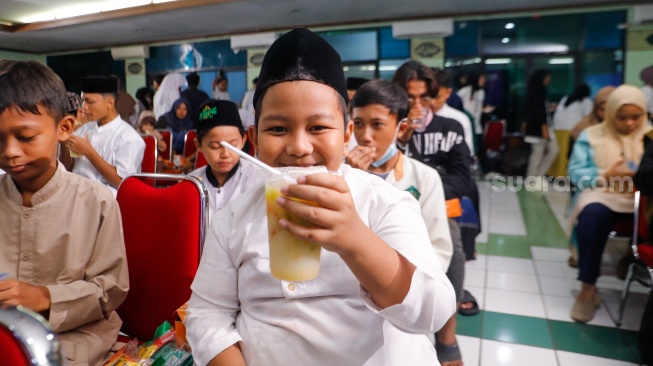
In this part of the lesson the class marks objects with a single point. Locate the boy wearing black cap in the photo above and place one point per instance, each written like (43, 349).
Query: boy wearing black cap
(380, 288)
(225, 176)
(62, 244)
(110, 148)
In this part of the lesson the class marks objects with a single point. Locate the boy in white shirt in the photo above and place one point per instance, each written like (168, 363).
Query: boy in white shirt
(108, 149)
(226, 176)
(379, 110)
(380, 289)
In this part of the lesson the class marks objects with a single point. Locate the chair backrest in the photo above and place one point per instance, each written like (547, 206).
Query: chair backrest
(493, 135)
(164, 231)
(27, 339)
(200, 160)
(167, 137)
(189, 144)
(150, 156)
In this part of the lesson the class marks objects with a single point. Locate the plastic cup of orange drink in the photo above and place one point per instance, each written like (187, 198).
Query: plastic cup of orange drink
(291, 258)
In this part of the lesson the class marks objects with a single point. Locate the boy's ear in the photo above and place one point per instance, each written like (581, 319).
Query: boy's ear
(349, 132)
(65, 128)
(253, 136)
(197, 143)
(403, 125)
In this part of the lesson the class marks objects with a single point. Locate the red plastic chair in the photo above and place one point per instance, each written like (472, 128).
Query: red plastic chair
(149, 157)
(493, 135)
(167, 137)
(27, 339)
(189, 144)
(200, 160)
(164, 231)
(643, 253)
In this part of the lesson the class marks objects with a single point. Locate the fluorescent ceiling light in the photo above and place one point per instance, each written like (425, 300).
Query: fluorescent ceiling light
(35, 18)
(497, 61)
(505, 40)
(76, 11)
(561, 61)
(388, 68)
(510, 25)
(472, 61)
(123, 4)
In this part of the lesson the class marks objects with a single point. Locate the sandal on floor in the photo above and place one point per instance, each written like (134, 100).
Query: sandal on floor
(467, 299)
(448, 352)
(571, 262)
(583, 311)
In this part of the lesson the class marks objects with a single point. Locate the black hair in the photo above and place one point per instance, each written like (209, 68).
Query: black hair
(472, 79)
(193, 79)
(535, 86)
(255, 81)
(142, 94)
(259, 104)
(413, 70)
(385, 93)
(26, 85)
(581, 92)
(443, 77)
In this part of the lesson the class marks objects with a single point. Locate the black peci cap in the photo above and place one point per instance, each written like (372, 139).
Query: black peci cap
(301, 55)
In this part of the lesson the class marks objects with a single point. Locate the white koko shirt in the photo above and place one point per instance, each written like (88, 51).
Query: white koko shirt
(330, 320)
(243, 179)
(424, 183)
(118, 144)
(449, 112)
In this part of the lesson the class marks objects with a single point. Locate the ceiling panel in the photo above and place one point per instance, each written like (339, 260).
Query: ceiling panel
(246, 16)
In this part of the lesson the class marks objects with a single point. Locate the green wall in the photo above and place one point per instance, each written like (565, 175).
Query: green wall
(22, 56)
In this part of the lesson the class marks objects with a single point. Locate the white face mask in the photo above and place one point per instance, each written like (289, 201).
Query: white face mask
(391, 150)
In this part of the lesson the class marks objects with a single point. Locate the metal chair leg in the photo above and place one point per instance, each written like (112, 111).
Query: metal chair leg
(624, 293)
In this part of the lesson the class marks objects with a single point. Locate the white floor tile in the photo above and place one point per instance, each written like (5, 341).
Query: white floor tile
(559, 308)
(479, 295)
(577, 359)
(557, 286)
(632, 315)
(474, 277)
(555, 269)
(518, 303)
(512, 282)
(512, 265)
(506, 354)
(505, 214)
(479, 263)
(550, 254)
(470, 347)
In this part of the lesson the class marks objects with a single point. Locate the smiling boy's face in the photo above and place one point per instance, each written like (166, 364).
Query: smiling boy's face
(28, 145)
(301, 124)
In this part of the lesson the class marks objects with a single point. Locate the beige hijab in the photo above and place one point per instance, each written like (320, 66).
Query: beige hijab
(591, 119)
(610, 146)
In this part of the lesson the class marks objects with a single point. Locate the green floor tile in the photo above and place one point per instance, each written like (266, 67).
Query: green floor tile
(542, 228)
(508, 246)
(518, 329)
(595, 340)
(469, 325)
(481, 248)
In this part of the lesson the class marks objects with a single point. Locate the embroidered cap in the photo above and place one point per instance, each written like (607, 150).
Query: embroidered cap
(301, 55)
(214, 113)
(74, 103)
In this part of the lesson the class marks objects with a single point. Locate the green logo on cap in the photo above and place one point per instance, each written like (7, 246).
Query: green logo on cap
(208, 112)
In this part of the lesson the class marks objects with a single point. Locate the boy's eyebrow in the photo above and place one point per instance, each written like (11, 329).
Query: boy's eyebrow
(283, 118)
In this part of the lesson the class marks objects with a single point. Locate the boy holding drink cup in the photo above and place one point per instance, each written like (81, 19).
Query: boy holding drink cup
(380, 288)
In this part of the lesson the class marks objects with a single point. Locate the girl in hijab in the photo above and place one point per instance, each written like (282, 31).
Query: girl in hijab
(168, 93)
(602, 164)
(544, 147)
(597, 115)
(177, 121)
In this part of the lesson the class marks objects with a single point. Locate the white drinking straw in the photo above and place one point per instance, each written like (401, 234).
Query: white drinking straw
(250, 158)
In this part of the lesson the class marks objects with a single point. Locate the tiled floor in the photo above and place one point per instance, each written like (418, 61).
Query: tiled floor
(525, 290)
